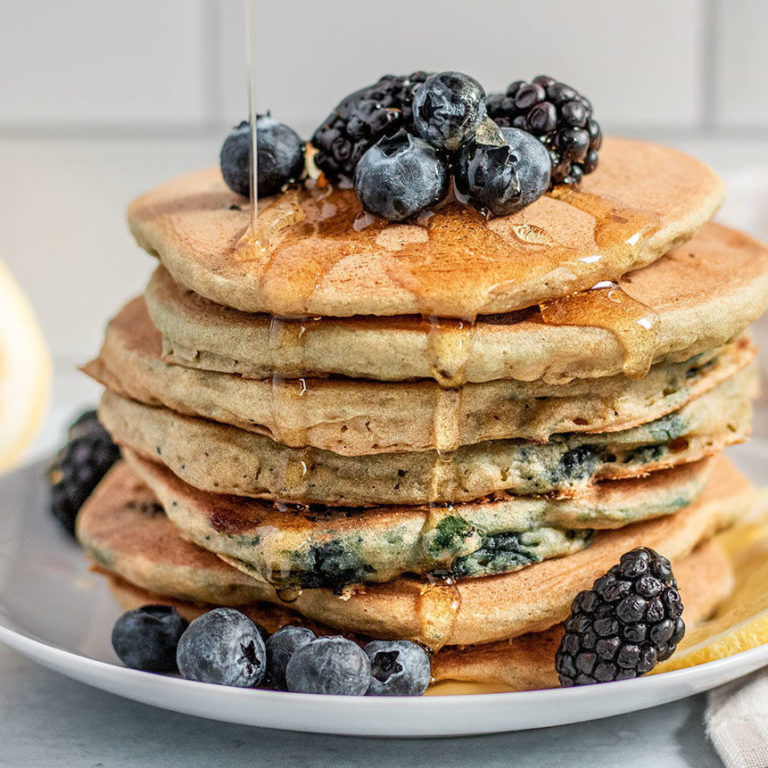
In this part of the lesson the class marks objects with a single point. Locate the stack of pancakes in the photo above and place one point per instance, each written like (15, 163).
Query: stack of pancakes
(439, 431)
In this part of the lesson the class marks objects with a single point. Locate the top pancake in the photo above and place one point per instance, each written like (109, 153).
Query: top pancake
(315, 253)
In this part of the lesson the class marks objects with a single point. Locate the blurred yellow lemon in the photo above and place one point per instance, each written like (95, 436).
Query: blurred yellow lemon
(742, 621)
(25, 372)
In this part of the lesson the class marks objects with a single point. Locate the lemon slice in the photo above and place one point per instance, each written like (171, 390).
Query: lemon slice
(742, 621)
(25, 372)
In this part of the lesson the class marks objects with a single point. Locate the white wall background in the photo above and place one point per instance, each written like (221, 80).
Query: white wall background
(100, 99)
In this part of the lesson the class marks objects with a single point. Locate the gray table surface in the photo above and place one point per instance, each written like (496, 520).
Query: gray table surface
(47, 720)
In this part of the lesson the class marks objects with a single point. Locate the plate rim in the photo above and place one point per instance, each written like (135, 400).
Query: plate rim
(569, 705)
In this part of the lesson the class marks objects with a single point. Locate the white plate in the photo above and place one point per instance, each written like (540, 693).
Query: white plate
(55, 612)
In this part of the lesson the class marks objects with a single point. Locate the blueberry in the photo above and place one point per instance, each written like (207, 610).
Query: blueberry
(235, 158)
(503, 176)
(448, 108)
(280, 156)
(224, 647)
(400, 176)
(280, 648)
(146, 638)
(331, 665)
(398, 668)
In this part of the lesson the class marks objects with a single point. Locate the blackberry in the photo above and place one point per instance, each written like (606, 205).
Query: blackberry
(626, 624)
(79, 466)
(85, 424)
(559, 116)
(361, 119)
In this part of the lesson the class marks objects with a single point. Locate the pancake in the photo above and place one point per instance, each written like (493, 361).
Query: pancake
(363, 417)
(525, 663)
(704, 294)
(222, 459)
(314, 253)
(308, 547)
(125, 533)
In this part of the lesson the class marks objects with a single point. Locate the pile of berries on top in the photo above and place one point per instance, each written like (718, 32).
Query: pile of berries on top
(402, 140)
(225, 647)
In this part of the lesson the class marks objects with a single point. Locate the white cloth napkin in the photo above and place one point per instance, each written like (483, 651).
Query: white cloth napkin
(737, 722)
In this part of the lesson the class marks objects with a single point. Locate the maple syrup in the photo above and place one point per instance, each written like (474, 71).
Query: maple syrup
(449, 345)
(299, 239)
(449, 348)
(438, 606)
(452, 262)
(606, 305)
(289, 395)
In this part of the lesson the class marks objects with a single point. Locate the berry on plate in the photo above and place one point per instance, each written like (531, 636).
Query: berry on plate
(280, 649)
(225, 647)
(147, 637)
(398, 668)
(330, 665)
(79, 467)
(626, 624)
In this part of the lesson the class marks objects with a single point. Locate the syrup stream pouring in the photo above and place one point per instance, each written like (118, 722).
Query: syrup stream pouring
(250, 47)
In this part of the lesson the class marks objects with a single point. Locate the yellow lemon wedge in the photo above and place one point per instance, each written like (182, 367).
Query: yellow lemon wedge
(742, 621)
(25, 372)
